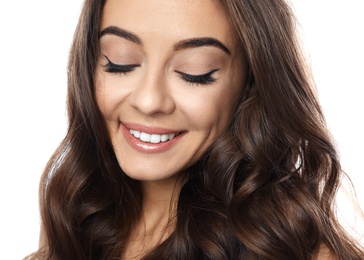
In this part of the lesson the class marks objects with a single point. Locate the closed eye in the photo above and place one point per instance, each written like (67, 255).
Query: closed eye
(202, 79)
(119, 68)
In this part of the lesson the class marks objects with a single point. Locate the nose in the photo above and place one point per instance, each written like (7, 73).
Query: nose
(152, 95)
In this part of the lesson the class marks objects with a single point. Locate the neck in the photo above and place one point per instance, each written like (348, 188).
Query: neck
(159, 203)
(158, 217)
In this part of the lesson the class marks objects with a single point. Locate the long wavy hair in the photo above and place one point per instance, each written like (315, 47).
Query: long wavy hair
(263, 190)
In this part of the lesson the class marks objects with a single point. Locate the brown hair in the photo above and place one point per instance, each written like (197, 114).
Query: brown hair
(264, 190)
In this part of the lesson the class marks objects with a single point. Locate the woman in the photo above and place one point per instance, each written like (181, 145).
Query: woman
(193, 134)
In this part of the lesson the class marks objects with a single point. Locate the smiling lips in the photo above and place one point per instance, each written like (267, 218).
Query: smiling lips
(150, 140)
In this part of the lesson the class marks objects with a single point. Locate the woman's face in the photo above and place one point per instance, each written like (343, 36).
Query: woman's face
(167, 82)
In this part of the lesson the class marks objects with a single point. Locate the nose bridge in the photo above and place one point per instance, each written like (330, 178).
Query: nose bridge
(152, 95)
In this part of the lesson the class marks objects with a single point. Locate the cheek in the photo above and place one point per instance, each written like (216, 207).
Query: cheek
(209, 109)
(109, 97)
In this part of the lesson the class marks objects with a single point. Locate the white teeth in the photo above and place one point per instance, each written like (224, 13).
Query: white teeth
(135, 133)
(164, 138)
(145, 137)
(151, 138)
(155, 138)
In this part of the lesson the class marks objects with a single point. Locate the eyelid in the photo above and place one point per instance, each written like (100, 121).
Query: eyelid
(202, 79)
(119, 68)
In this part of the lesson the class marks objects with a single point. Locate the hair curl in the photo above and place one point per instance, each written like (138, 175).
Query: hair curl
(264, 190)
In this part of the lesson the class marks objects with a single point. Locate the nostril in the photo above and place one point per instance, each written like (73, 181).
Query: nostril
(152, 101)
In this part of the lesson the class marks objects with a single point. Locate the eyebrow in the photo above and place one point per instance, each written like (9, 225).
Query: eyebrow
(199, 42)
(117, 31)
(184, 44)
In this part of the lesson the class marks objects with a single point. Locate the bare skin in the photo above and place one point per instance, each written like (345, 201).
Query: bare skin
(157, 222)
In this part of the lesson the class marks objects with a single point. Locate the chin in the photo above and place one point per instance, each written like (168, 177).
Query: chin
(153, 175)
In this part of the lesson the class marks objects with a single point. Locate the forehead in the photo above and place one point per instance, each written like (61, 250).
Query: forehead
(169, 19)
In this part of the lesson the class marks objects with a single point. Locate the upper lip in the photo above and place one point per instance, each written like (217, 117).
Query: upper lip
(150, 129)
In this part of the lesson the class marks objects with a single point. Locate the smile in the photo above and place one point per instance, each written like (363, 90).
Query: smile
(152, 138)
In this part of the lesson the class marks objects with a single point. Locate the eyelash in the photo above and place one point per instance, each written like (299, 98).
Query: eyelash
(116, 68)
(202, 79)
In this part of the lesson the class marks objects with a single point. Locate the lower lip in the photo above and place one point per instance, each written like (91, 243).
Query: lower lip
(149, 147)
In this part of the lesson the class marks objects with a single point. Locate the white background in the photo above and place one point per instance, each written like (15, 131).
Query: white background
(34, 44)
